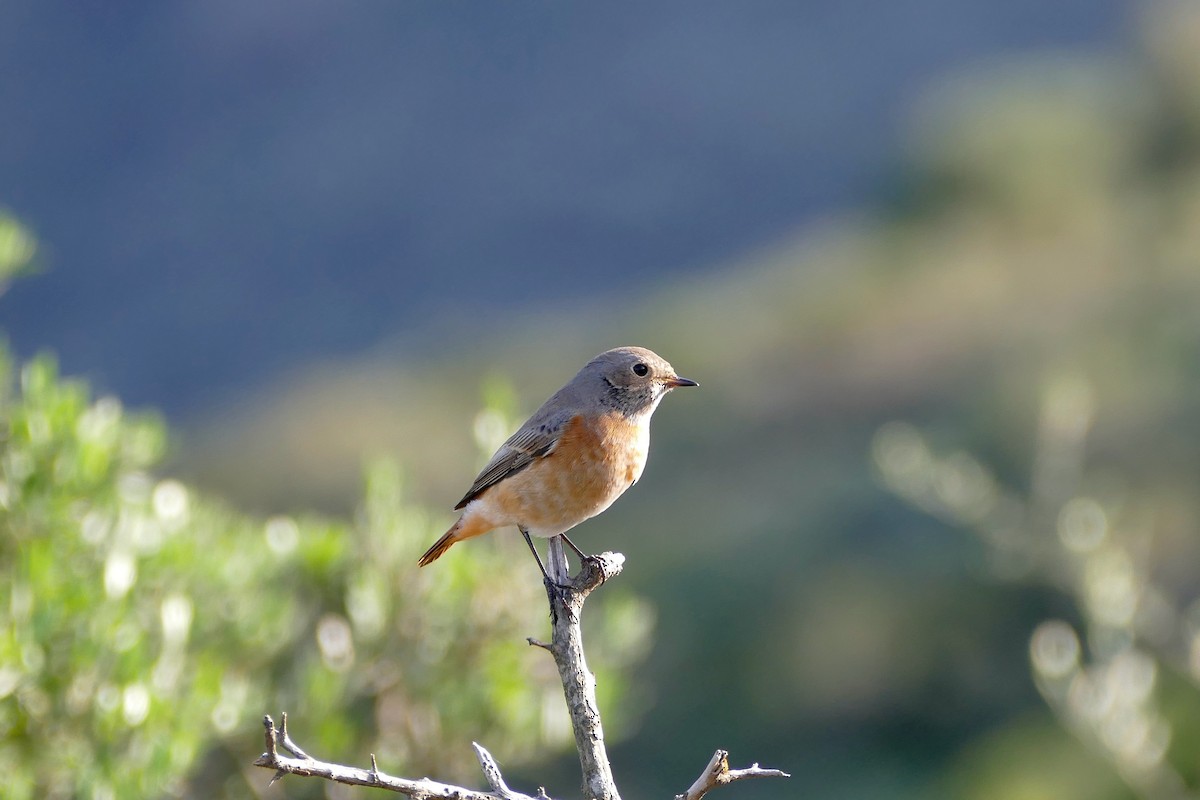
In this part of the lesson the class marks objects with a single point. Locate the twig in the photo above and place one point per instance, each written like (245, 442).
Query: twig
(286, 741)
(718, 773)
(579, 684)
(567, 595)
(424, 789)
(491, 773)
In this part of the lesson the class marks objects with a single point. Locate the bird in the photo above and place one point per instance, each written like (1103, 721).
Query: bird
(573, 458)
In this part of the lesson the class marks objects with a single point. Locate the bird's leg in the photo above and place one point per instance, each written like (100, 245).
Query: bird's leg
(570, 544)
(536, 557)
(584, 558)
(545, 574)
(554, 590)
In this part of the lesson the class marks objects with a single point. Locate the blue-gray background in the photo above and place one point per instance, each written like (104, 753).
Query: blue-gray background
(226, 189)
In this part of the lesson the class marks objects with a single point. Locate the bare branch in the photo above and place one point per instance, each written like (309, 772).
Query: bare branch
(718, 773)
(579, 684)
(566, 595)
(286, 741)
(556, 561)
(491, 772)
(424, 789)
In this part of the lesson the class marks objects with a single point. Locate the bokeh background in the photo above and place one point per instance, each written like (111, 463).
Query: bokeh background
(928, 529)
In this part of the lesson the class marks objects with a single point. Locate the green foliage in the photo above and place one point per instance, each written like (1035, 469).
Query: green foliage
(18, 249)
(143, 626)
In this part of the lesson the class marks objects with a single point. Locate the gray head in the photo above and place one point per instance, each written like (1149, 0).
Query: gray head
(630, 379)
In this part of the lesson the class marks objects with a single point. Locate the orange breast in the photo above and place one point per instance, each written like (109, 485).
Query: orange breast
(592, 464)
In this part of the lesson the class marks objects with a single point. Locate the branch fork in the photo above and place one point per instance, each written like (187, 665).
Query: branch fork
(718, 773)
(566, 596)
(300, 763)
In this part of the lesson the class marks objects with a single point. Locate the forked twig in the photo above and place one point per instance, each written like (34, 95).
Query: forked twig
(579, 688)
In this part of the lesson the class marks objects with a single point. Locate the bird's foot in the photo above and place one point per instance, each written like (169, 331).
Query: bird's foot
(598, 564)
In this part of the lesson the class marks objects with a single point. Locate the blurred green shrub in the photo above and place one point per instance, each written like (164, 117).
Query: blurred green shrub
(1121, 673)
(18, 248)
(144, 629)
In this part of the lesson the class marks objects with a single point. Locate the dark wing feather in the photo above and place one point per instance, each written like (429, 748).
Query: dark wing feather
(534, 440)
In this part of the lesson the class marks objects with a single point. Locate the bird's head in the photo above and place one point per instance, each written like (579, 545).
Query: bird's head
(633, 379)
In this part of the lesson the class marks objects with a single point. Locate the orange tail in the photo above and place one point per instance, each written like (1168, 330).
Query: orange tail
(463, 529)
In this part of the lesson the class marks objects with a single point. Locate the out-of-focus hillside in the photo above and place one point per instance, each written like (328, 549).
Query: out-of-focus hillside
(281, 182)
(1045, 233)
(1047, 220)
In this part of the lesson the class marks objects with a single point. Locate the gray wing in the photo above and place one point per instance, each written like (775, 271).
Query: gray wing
(534, 440)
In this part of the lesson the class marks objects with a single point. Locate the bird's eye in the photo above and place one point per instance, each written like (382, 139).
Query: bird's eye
(640, 369)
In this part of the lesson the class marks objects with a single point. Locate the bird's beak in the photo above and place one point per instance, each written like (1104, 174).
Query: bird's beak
(676, 381)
